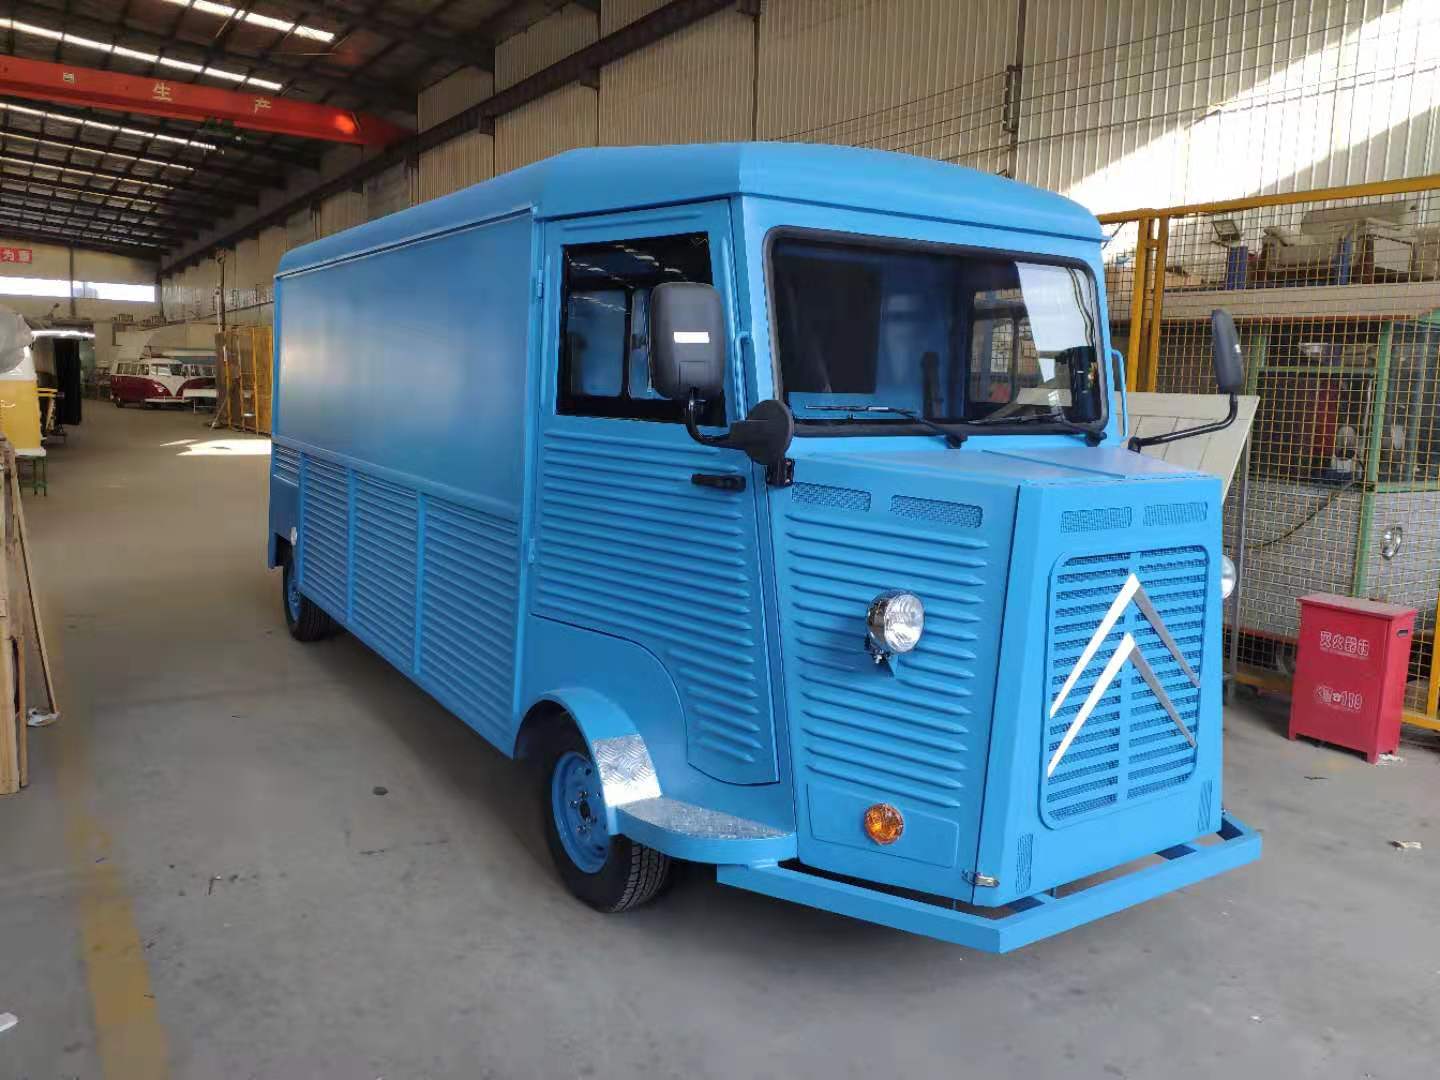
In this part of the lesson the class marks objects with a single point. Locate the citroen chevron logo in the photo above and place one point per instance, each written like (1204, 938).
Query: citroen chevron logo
(1132, 590)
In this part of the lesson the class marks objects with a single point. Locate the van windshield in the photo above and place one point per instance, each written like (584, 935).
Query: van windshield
(867, 331)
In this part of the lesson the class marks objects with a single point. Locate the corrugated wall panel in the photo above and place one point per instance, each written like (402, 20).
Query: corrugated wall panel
(695, 86)
(452, 94)
(456, 164)
(554, 38)
(1131, 102)
(341, 212)
(559, 121)
(300, 228)
(922, 76)
(388, 192)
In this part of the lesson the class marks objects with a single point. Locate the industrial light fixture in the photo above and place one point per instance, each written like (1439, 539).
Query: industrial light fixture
(85, 122)
(225, 11)
(1227, 232)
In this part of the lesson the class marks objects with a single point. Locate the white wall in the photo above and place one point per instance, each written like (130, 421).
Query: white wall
(53, 261)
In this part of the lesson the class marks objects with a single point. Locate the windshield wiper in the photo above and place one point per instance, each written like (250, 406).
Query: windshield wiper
(1034, 418)
(953, 438)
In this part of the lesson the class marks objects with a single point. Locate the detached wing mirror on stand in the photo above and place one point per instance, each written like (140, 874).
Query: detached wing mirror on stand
(1229, 375)
(687, 363)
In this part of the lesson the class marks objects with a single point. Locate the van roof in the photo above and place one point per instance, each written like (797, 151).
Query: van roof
(607, 179)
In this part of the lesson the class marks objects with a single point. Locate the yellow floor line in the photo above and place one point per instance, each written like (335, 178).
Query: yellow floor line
(131, 1042)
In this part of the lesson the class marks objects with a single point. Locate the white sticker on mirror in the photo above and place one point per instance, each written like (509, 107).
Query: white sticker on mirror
(692, 337)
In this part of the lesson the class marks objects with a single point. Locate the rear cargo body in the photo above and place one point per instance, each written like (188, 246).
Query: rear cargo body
(526, 540)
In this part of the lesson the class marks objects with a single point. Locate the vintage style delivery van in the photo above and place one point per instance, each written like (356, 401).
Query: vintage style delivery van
(774, 502)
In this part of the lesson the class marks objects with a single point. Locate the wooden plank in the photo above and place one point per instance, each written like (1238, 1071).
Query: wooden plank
(12, 723)
(37, 624)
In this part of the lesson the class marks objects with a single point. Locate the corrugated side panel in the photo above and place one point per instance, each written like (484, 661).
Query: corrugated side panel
(341, 212)
(325, 534)
(455, 164)
(452, 94)
(908, 735)
(559, 121)
(550, 39)
(630, 546)
(1133, 103)
(1129, 747)
(921, 76)
(471, 568)
(285, 465)
(697, 85)
(387, 524)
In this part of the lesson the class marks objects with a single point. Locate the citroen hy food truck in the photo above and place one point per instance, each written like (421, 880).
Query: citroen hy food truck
(774, 503)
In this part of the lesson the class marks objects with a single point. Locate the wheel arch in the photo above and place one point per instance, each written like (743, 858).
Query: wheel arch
(627, 773)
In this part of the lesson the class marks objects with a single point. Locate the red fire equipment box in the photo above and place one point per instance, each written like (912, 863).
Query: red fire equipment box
(1351, 671)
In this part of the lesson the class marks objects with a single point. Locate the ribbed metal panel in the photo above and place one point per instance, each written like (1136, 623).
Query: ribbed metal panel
(1129, 748)
(285, 465)
(452, 94)
(300, 228)
(569, 30)
(388, 192)
(629, 545)
(456, 164)
(923, 76)
(697, 85)
(559, 121)
(341, 212)
(387, 524)
(1133, 103)
(325, 534)
(471, 567)
(909, 735)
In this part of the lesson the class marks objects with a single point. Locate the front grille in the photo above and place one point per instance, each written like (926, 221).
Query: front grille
(1129, 748)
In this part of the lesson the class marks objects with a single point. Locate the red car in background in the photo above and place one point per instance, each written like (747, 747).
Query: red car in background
(155, 381)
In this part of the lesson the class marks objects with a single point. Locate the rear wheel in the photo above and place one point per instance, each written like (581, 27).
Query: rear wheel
(610, 873)
(118, 403)
(305, 620)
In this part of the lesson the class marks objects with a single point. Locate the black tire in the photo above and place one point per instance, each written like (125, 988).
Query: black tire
(118, 403)
(632, 874)
(309, 622)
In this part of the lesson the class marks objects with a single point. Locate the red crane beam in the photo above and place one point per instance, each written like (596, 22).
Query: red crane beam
(256, 110)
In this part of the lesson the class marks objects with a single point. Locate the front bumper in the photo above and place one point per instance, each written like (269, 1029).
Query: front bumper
(1023, 922)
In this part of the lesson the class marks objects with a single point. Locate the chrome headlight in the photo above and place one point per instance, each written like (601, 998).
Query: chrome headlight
(1391, 540)
(895, 621)
(1227, 577)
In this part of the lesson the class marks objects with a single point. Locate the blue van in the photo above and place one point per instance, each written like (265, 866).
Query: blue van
(774, 503)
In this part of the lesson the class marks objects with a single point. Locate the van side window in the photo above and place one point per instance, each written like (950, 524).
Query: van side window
(605, 325)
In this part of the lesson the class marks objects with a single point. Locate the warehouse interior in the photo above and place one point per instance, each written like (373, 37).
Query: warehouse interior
(228, 854)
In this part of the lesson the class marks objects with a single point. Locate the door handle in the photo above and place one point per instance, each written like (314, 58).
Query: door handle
(719, 481)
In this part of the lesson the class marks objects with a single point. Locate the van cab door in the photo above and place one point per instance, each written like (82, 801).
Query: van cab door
(641, 533)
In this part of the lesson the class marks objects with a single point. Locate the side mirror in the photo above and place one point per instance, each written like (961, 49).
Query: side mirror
(1229, 361)
(687, 340)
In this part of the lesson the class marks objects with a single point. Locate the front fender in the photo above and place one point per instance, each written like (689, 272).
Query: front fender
(627, 773)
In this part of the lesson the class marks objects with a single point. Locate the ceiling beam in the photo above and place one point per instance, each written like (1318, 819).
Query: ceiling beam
(74, 193)
(20, 229)
(126, 33)
(75, 208)
(185, 180)
(658, 25)
(167, 200)
(162, 132)
(462, 48)
(66, 218)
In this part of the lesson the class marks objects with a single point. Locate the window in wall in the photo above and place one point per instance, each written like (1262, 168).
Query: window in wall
(605, 325)
(85, 290)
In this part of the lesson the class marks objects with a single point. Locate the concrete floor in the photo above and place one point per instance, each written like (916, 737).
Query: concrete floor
(200, 883)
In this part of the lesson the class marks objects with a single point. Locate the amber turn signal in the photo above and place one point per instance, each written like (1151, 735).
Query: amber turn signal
(883, 823)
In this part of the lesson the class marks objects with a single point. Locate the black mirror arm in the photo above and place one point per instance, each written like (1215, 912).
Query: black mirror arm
(692, 423)
(1137, 443)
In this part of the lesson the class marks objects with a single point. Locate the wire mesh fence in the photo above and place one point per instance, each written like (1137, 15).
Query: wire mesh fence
(1338, 305)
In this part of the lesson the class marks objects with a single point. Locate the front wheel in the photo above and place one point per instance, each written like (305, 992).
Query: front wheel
(305, 620)
(610, 873)
(118, 403)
